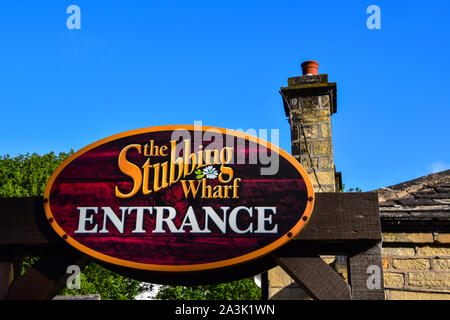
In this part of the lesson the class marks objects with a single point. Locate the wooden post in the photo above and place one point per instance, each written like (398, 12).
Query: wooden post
(10, 269)
(366, 274)
(48, 275)
(6, 275)
(315, 277)
(341, 224)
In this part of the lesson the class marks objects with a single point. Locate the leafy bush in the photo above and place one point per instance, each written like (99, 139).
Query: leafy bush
(244, 289)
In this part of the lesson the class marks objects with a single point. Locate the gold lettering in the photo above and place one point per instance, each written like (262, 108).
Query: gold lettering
(178, 161)
(205, 189)
(235, 187)
(191, 187)
(131, 170)
(145, 188)
(189, 158)
(218, 192)
(208, 154)
(162, 151)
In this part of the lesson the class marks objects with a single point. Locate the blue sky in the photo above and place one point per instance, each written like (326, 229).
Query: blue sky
(137, 64)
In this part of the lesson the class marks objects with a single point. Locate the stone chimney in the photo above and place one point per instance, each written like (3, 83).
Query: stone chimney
(309, 101)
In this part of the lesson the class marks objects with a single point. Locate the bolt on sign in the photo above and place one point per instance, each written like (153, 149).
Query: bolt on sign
(178, 199)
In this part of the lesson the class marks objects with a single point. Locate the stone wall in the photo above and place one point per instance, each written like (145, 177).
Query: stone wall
(311, 139)
(416, 266)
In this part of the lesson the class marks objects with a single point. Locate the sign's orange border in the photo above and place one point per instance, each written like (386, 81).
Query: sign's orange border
(183, 268)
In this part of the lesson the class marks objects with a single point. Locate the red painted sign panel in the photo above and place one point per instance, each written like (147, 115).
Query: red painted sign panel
(179, 199)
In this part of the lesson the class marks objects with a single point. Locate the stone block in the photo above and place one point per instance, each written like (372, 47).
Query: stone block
(398, 252)
(309, 162)
(324, 101)
(294, 103)
(311, 131)
(309, 102)
(324, 188)
(441, 264)
(322, 147)
(305, 148)
(433, 251)
(394, 280)
(429, 279)
(325, 178)
(309, 116)
(409, 295)
(278, 278)
(326, 162)
(307, 80)
(325, 130)
(443, 238)
(408, 237)
(328, 259)
(411, 264)
(386, 263)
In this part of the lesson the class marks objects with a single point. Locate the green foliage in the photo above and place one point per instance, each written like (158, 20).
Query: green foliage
(244, 289)
(26, 176)
(357, 189)
(199, 174)
(28, 262)
(111, 286)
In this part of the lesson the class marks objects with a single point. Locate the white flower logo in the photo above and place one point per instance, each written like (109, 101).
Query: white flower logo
(210, 172)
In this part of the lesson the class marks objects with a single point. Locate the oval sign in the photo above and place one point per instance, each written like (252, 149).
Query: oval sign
(179, 198)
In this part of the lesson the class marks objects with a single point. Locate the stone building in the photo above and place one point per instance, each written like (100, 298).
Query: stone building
(415, 215)
(415, 220)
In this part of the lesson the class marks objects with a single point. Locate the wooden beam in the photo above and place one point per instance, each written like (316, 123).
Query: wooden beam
(315, 277)
(6, 275)
(366, 274)
(17, 261)
(336, 217)
(344, 216)
(22, 222)
(11, 262)
(48, 275)
(31, 286)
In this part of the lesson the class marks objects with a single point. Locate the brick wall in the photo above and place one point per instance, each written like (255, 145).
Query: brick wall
(416, 266)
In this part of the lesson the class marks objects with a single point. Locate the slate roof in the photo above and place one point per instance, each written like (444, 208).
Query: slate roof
(422, 204)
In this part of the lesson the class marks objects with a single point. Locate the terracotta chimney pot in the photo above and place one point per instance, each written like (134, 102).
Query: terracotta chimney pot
(310, 67)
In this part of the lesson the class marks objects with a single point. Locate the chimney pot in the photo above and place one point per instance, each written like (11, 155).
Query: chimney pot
(310, 67)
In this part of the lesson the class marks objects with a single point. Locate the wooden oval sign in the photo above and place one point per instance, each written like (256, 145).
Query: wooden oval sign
(179, 199)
